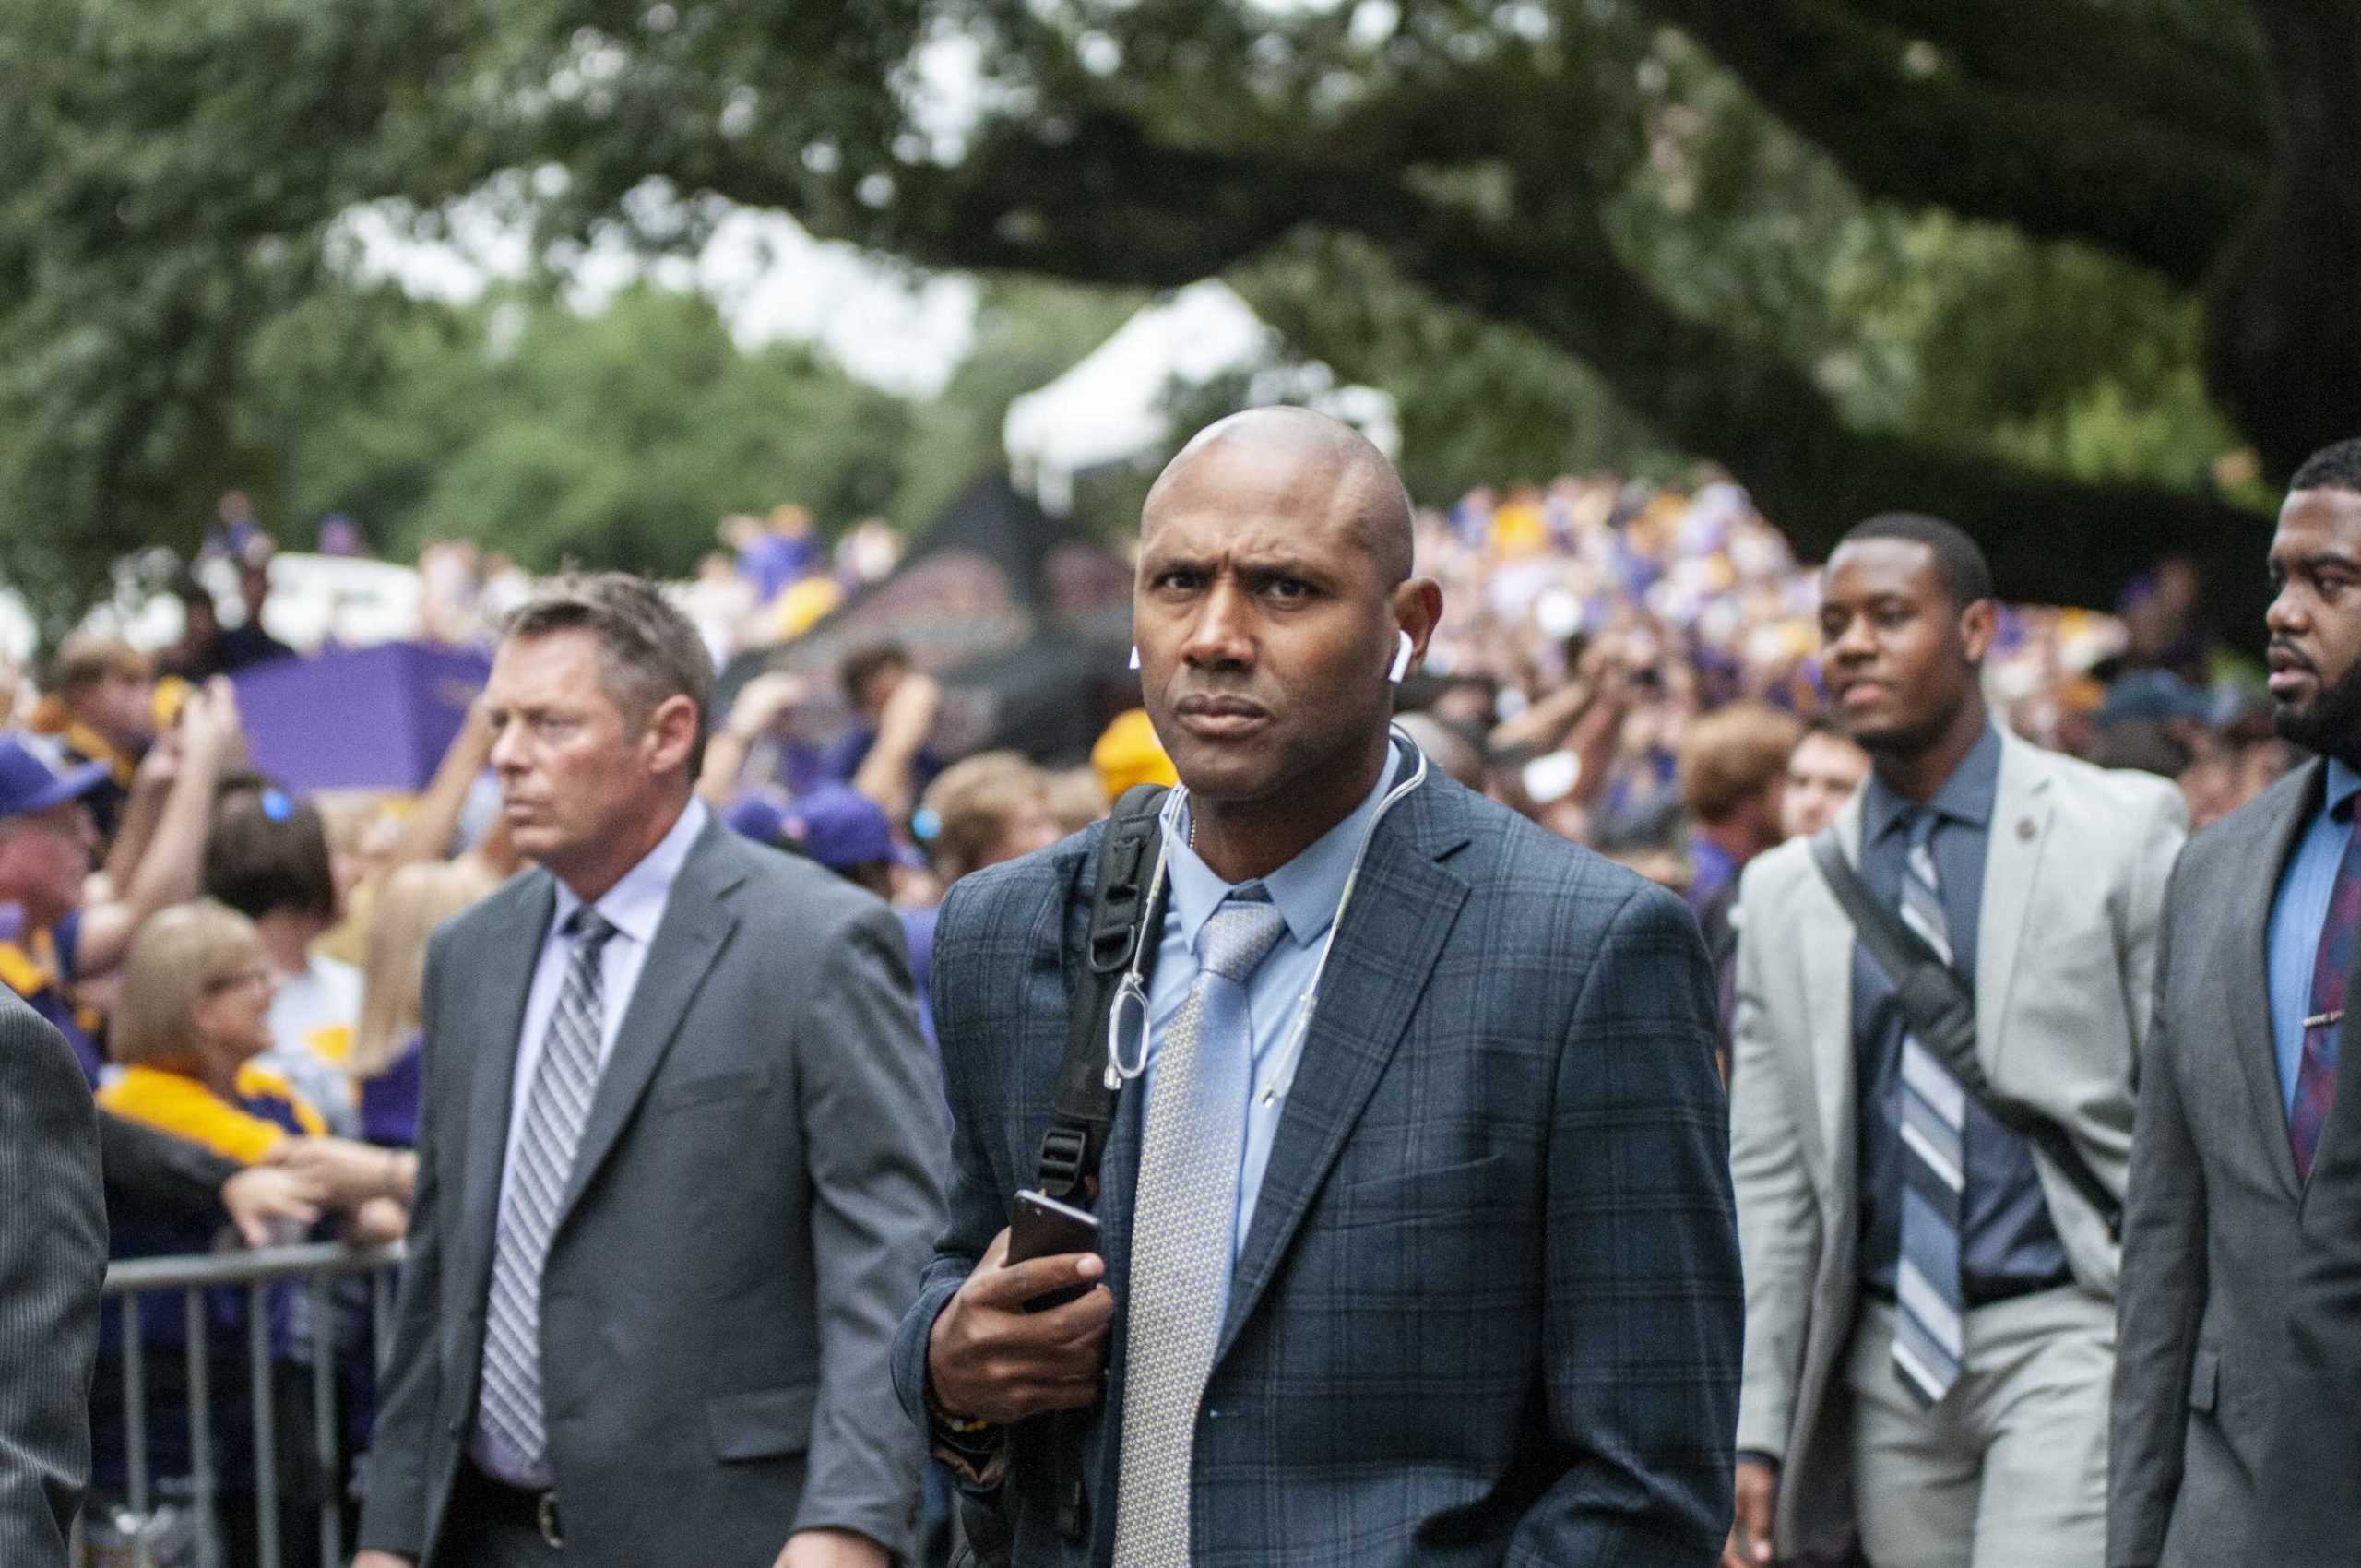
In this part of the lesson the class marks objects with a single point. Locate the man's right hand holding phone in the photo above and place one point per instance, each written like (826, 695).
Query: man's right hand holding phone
(988, 1359)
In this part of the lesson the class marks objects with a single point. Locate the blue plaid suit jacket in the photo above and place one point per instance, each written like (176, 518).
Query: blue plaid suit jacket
(1490, 1309)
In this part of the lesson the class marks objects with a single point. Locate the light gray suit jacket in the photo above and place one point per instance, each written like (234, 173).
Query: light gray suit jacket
(2073, 880)
(2210, 1233)
(52, 1259)
(755, 1193)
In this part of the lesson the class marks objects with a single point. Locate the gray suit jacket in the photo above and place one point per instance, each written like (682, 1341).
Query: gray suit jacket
(2308, 1485)
(2073, 880)
(749, 1210)
(2210, 1229)
(1488, 1311)
(52, 1260)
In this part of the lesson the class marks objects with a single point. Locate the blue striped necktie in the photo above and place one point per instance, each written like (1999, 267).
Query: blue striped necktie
(1927, 1338)
(564, 1083)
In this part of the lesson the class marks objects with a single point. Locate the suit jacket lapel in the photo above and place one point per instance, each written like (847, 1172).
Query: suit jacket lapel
(492, 1021)
(697, 921)
(2274, 839)
(1392, 935)
(2014, 835)
(1828, 1009)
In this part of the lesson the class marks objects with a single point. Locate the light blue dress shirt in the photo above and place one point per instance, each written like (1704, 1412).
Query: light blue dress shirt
(1305, 891)
(2298, 913)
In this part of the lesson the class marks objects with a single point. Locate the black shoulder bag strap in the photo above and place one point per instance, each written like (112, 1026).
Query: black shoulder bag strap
(1941, 1010)
(1083, 1111)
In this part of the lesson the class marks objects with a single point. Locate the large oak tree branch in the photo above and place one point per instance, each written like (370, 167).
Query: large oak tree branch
(2202, 87)
(1109, 203)
(2052, 164)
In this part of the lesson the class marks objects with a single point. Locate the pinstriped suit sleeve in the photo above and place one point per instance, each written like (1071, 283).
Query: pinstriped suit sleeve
(2143, 917)
(1779, 1217)
(1645, 1314)
(52, 1260)
(977, 1212)
(2158, 1301)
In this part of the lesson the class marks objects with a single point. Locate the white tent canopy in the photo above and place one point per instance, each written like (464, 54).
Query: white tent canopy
(1109, 408)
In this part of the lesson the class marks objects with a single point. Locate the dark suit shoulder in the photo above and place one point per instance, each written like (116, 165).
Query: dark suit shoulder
(2230, 844)
(1001, 897)
(519, 898)
(34, 1058)
(1511, 857)
(772, 886)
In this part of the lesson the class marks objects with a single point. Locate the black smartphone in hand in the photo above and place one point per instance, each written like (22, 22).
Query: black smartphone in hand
(1041, 1227)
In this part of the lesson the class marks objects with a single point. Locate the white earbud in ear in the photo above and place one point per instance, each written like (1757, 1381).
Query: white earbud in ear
(1135, 656)
(1401, 658)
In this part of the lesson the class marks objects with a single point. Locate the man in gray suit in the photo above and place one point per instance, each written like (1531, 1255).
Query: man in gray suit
(52, 1259)
(676, 1165)
(1457, 1283)
(2243, 1058)
(1929, 1315)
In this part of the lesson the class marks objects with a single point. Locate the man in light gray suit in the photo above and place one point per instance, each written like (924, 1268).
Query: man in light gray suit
(52, 1259)
(678, 1165)
(2232, 1092)
(1929, 1300)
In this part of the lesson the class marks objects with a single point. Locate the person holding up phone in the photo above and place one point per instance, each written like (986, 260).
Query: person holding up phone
(1421, 1237)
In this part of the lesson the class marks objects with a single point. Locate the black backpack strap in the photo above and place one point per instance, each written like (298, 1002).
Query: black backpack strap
(1941, 1010)
(1083, 1111)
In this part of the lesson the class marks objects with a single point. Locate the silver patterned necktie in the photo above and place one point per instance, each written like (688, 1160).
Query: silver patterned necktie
(1927, 1340)
(1181, 1243)
(564, 1083)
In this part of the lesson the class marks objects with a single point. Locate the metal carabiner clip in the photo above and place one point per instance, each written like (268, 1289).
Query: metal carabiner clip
(1127, 1041)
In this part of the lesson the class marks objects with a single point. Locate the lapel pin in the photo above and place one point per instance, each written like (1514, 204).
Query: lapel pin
(2025, 828)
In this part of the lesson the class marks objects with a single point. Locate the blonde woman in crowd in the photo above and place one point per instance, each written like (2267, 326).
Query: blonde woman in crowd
(386, 1056)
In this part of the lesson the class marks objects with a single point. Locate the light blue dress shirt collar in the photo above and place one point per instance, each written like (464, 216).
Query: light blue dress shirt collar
(1305, 891)
(2299, 911)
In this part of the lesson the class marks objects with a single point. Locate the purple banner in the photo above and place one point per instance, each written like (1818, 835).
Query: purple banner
(366, 718)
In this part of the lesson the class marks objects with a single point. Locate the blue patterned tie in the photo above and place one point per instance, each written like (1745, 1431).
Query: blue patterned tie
(1182, 1245)
(1927, 1338)
(2316, 1068)
(563, 1084)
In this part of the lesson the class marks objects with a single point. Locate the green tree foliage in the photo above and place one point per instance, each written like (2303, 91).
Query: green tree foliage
(2036, 266)
(618, 437)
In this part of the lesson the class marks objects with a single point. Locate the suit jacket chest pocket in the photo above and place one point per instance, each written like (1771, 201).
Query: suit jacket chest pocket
(707, 1086)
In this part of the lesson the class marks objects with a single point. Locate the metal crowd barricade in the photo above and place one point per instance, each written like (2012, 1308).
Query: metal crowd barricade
(131, 1281)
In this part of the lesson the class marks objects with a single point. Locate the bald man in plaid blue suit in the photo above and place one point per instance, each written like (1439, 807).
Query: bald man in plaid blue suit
(1474, 1294)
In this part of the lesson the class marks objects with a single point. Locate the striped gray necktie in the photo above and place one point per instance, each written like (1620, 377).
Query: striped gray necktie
(1181, 1243)
(563, 1086)
(1927, 1340)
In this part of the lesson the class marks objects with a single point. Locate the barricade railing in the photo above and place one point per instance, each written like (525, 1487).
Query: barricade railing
(132, 1286)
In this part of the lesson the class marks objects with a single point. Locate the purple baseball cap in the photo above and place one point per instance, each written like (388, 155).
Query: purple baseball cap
(834, 823)
(28, 784)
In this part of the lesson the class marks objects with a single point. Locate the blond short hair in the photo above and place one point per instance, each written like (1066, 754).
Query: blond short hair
(178, 957)
(85, 659)
(973, 803)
